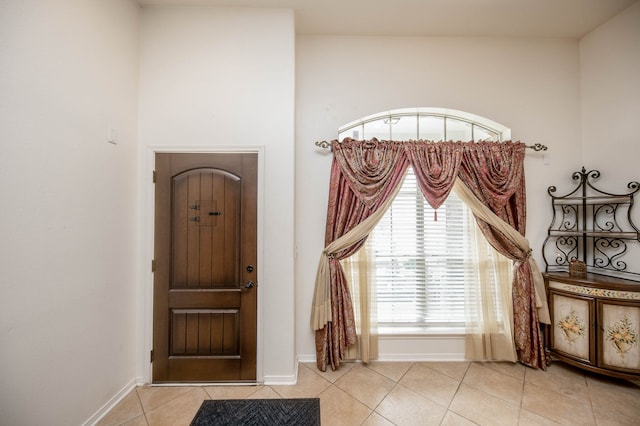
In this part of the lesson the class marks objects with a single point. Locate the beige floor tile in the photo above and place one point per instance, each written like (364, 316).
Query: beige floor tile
(483, 408)
(572, 385)
(138, 421)
(127, 409)
(366, 385)
(392, 370)
(527, 418)
(455, 370)
(557, 407)
(614, 401)
(376, 419)
(453, 419)
(494, 383)
(154, 396)
(600, 383)
(330, 375)
(513, 369)
(564, 370)
(430, 384)
(231, 392)
(265, 393)
(337, 408)
(404, 407)
(614, 419)
(309, 385)
(179, 411)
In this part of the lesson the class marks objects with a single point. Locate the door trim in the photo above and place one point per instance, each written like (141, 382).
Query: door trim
(146, 250)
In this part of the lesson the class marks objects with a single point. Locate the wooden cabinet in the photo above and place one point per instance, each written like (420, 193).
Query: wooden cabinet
(595, 309)
(595, 323)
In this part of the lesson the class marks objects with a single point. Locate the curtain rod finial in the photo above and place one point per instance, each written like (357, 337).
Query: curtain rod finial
(538, 147)
(323, 144)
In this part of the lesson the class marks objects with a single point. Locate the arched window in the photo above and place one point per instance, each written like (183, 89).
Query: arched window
(425, 123)
(424, 257)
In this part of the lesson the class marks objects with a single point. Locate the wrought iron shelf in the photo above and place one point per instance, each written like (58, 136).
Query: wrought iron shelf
(619, 199)
(595, 227)
(595, 234)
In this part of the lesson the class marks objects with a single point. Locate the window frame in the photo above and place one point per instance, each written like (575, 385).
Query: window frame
(503, 133)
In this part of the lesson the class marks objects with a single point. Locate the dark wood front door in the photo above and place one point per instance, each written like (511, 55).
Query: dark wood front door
(205, 276)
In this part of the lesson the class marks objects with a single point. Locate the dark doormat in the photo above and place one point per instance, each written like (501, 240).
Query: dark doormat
(259, 412)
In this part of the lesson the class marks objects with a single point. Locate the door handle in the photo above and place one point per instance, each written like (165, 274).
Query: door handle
(249, 284)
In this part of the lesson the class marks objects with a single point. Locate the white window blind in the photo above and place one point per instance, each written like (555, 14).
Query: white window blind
(421, 262)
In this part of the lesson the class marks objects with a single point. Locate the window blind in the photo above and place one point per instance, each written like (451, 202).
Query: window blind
(421, 261)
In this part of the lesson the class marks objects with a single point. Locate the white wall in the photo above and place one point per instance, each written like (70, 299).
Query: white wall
(529, 85)
(610, 81)
(68, 71)
(214, 78)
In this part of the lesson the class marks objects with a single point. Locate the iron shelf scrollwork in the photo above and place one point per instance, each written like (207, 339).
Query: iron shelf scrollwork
(595, 227)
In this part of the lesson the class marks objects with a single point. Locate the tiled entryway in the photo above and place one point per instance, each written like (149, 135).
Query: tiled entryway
(415, 393)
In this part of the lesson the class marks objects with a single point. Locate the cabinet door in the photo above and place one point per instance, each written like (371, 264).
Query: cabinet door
(618, 328)
(572, 332)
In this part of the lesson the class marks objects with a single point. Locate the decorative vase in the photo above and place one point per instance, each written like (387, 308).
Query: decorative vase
(621, 346)
(569, 335)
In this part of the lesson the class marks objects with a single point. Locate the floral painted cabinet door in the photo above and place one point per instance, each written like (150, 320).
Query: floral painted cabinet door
(620, 325)
(571, 333)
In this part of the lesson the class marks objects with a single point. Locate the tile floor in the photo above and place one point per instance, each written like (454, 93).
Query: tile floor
(415, 393)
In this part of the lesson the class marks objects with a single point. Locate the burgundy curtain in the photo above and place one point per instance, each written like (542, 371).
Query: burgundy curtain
(436, 166)
(363, 175)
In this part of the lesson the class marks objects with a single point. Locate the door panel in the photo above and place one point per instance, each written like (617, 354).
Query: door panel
(205, 332)
(206, 229)
(204, 315)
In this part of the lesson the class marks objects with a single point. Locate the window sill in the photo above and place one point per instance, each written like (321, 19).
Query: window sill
(391, 332)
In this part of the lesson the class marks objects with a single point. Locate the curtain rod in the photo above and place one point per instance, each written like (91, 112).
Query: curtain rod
(535, 147)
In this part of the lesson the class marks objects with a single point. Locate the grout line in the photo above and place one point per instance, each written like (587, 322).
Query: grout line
(144, 413)
(395, 384)
(593, 410)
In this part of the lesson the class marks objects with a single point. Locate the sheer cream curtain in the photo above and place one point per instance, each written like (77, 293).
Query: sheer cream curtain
(487, 299)
(360, 270)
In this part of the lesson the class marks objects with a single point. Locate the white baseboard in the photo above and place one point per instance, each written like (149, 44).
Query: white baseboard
(307, 358)
(422, 358)
(112, 402)
(418, 348)
(283, 380)
(280, 380)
